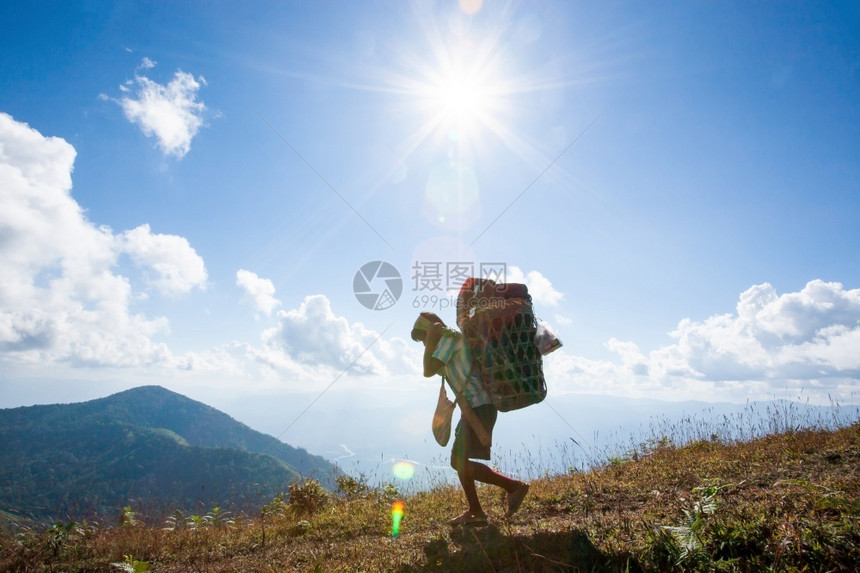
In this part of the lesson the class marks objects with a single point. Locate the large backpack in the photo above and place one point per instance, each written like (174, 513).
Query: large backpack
(499, 325)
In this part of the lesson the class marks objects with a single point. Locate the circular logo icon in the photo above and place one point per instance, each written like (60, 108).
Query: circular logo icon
(377, 285)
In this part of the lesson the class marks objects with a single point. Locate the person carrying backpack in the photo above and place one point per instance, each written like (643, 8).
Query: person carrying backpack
(447, 354)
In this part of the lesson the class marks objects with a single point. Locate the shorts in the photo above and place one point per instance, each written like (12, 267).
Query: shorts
(466, 442)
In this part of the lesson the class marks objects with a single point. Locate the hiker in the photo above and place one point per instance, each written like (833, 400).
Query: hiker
(446, 353)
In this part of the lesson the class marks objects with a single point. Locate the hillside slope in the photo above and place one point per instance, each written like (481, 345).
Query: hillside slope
(202, 425)
(783, 502)
(143, 444)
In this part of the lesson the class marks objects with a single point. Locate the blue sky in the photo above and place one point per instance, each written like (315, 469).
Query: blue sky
(188, 190)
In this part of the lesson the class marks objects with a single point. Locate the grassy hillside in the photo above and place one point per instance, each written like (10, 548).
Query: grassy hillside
(149, 444)
(783, 502)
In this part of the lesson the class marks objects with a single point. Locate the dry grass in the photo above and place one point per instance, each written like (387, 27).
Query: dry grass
(787, 501)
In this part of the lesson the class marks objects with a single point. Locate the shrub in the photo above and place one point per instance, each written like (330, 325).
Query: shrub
(307, 497)
(353, 488)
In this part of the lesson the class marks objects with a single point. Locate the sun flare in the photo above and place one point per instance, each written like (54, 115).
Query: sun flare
(467, 94)
(460, 98)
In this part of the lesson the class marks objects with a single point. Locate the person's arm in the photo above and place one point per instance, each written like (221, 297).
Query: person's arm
(432, 365)
(472, 419)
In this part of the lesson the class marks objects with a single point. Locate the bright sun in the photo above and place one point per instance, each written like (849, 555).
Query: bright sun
(460, 98)
(465, 84)
(462, 101)
(465, 90)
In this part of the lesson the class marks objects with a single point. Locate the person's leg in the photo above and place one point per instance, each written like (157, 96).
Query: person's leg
(471, 493)
(463, 466)
(460, 462)
(466, 446)
(470, 471)
(483, 473)
(516, 490)
(477, 471)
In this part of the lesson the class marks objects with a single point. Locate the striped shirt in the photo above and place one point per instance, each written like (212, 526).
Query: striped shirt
(454, 353)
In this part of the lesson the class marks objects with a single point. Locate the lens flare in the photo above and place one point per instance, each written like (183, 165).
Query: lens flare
(396, 516)
(452, 193)
(403, 470)
(471, 7)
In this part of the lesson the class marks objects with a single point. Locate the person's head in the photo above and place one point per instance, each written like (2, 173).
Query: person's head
(422, 324)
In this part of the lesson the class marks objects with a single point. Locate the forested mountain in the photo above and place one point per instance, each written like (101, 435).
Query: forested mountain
(146, 446)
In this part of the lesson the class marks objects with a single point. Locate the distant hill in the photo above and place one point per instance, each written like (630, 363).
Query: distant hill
(147, 446)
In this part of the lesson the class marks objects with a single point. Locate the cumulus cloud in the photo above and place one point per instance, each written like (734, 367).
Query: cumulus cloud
(175, 266)
(258, 292)
(802, 335)
(313, 335)
(774, 342)
(540, 288)
(61, 299)
(171, 113)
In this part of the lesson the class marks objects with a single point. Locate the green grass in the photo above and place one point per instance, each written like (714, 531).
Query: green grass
(785, 501)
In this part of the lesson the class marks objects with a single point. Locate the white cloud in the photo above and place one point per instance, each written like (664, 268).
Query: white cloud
(313, 335)
(258, 292)
(169, 112)
(176, 265)
(801, 335)
(775, 343)
(563, 320)
(61, 301)
(540, 288)
(64, 303)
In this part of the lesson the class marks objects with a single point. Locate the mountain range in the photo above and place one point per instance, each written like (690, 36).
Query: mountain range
(147, 447)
